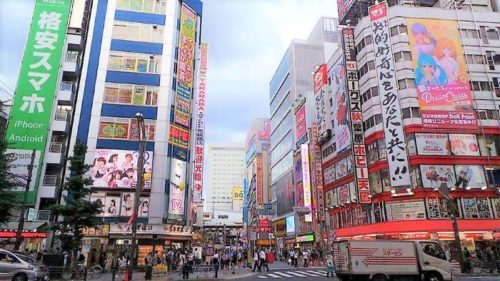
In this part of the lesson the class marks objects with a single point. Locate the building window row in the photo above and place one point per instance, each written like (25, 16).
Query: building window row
(491, 32)
(124, 129)
(475, 59)
(282, 166)
(283, 90)
(487, 114)
(402, 56)
(368, 40)
(480, 85)
(372, 92)
(399, 29)
(469, 33)
(410, 112)
(366, 67)
(137, 32)
(146, 6)
(372, 121)
(134, 62)
(406, 83)
(281, 129)
(130, 94)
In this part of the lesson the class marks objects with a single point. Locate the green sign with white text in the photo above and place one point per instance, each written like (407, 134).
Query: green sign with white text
(31, 112)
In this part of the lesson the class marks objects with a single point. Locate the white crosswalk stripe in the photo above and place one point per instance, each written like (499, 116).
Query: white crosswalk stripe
(322, 271)
(262, 277)
(315, 272)
(283, 274)
(273, 275)
(296, 273)
(307, 273)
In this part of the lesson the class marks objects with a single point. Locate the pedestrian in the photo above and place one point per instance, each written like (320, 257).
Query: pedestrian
(123, 262)
(296, 258)
(306, 257)
(467, 262)
(234, 260)
(216, 263)
(263, 260)
(149, 261)
(291, 258)
(329, 266)
(256, 263)
(114, 266)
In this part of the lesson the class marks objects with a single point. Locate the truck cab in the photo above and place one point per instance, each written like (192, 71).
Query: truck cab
(432, 260)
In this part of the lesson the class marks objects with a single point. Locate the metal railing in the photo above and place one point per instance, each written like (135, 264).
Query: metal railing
(62, 115)
(51, 180)
(57, 147)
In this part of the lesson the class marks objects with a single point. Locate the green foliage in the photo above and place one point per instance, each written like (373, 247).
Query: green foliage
(8, 198)
(77, 211)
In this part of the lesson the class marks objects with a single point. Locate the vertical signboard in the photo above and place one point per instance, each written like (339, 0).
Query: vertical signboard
(318, 172)
(32, 105)
(259, 177)
(341, 120)
(200, 126)
(245, 201)
(356, 115)
(443, 89)
(306, 179)
(177, 189)
(321, 89)
(300, 124)
(397, 157)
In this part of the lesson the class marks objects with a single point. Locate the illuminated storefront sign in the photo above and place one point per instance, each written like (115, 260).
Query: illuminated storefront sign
(305, 238)
(397, 157)
(306, 179)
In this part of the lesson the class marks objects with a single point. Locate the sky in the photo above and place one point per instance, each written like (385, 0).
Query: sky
(247, 39)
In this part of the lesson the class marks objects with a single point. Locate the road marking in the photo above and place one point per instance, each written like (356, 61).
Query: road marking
(322, 271)
(296, 273)
(273, 275)
(262, 277)
(308, 273)
(283, 274)
(314, 272)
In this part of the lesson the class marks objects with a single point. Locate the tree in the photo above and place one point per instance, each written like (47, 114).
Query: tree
(77, 212)
(8, 198)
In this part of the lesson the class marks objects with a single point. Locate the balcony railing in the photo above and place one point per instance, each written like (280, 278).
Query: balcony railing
(43, 215)
(57, 147)
(51, 180)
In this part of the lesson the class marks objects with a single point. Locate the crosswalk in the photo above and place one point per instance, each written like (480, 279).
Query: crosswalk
(292, 274)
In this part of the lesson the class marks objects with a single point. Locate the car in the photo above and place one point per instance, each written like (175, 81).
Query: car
(19, 267)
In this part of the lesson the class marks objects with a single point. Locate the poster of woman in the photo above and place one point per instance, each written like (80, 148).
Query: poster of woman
(444, 93)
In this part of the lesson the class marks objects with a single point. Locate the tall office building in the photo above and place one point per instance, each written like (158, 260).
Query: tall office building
(226, 172)
(415, 119)
(288, 89)
(41, 114)
(142, 58)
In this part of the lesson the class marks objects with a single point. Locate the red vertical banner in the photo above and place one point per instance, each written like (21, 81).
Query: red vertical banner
(259, 183)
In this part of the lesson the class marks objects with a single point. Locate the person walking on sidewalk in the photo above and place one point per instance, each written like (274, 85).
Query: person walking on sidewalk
(263, 260)
(306, 258)
(256, 260)
(296, 258)
(149, 261)
(216, 263)
(114, 266)
(329, 266)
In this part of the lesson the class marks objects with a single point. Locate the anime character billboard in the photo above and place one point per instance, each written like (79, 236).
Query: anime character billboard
(444, 93)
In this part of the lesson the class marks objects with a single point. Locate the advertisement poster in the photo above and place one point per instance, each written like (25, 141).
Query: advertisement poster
(300, 124)
(101, 199)
(20, 165)
(432, 144)
(433, 176)
(143, 206)
(259, 176)
(299, 195)
(199, 141)
(306, 179)
(344, 194)
(340, 111)
(178, 137)
(112, 206)
(127, 204)
(413, 209)
(329, 174)
(470, 176)
(297, 169)
(444, 95)
(32, 103)
(118, 168)
(321, 89)
(290, 225)
(285, 189)
(464, 144)
(397, 156)
(329, 198)
(177, 188)
(341, 168)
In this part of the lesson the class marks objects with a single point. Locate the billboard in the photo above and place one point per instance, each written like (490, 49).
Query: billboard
(343, 6)
(199, 140)
(38, 76)
(321, 88)
(433, 176)
(177, 189)
(300, 125)
(185, 68)
(306, 179)
(432, 144)
(237, 193)
(397, 157)
(341, 120)
(413, 209)
(290, 225)
(114, 168)
(444, 95)
(259, 178)
(470, 176)
(464, 144)
(178, 136)
(354, 111)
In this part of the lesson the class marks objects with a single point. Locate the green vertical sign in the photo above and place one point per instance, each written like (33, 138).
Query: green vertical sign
(31, 111)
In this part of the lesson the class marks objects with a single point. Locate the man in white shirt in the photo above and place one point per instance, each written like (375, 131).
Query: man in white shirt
(306, 257)
(263, 260)
(256, 263)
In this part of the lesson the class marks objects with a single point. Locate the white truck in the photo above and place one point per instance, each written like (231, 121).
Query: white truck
(382, 260)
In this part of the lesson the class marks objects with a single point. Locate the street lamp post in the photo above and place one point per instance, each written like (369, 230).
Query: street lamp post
(138, 189)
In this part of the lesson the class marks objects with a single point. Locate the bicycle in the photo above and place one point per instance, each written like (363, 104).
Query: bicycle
(482, 266)
(95, 271)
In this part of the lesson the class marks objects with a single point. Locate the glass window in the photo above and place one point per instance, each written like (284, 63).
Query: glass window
(489, 145)
(382, 150)
(410, 143)
(416, 180)
(125, 94)
(386, 181)
(375, 182)
(406, 113)
(111, 94)
(372, 153)
(433, 249)
(115, 61)
(492, 34)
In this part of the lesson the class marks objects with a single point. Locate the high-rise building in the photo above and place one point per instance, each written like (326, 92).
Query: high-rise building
(41, 114)
(256, 188)
(415, 119)
(290, 85)
(226, 172)
(142, 58)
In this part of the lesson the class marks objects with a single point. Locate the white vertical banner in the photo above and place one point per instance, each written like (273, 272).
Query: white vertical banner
(306, 179)
(199, 140)
(397, 157)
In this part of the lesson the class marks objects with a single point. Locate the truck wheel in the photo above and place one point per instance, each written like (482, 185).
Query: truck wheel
(379, 277)
(20, 277)
(433, 277)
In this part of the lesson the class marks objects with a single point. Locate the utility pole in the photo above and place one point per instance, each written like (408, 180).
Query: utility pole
(138, 189)
(20, 226)
(453, 210)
